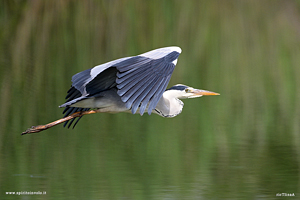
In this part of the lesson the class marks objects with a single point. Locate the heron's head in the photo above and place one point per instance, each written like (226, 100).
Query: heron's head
(183, 92)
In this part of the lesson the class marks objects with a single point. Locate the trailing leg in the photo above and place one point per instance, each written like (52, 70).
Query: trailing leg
(36, 129)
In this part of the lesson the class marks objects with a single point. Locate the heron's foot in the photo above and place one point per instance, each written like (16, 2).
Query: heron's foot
(35, 129)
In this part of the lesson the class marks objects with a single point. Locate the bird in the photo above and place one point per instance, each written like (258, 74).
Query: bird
(135, 84)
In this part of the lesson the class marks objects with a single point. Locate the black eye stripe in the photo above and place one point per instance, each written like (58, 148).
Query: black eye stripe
(178, 87)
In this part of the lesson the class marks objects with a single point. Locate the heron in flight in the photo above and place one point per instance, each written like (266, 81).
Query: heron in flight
(134, 84)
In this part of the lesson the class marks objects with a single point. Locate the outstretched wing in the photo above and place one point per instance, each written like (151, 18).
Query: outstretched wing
(140, 80)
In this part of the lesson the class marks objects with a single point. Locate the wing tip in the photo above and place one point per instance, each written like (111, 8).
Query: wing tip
(170, 49)
(175, 48)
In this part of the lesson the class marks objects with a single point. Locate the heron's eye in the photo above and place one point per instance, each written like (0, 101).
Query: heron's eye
(187, 90)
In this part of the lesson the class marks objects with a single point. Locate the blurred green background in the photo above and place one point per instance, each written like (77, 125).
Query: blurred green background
(244, 144)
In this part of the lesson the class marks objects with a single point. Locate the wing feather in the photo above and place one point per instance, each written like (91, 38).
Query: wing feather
(144, 93)
(137, 81)
(131, 83)
(136, 67)
(137, 86)
(131, 63)
(147, 98)
(154, 100)
(135, 91)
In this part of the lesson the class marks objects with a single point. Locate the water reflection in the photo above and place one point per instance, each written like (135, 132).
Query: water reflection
(120, 170)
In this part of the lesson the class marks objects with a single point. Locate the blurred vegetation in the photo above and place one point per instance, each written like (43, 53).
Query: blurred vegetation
(242, 144)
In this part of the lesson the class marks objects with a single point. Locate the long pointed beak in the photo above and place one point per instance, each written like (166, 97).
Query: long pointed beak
(197, 93)
(204, 92)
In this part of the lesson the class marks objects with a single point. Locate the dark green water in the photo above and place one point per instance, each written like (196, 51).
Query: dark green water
(244, 144)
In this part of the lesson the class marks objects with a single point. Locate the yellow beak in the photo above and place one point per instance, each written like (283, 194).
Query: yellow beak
(197, 93)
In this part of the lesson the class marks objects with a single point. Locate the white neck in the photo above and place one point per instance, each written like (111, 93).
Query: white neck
(168, 106)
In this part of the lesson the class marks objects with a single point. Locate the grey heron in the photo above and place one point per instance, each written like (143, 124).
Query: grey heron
(132, 84)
